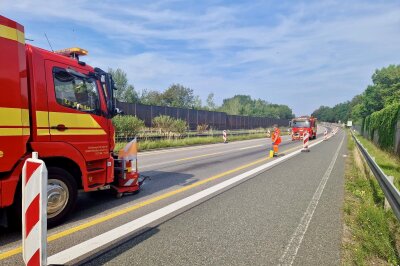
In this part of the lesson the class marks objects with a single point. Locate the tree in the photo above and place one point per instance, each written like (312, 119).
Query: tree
(178, 96)
(151, 97)
(197, 102)
(245, 105)
(130, 95)
(125, 92)
(121, 82)
(324, 113)
(210, 102)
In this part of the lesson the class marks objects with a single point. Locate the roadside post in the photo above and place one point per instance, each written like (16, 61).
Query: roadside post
(224, 136)
(306, 137)
(326, 134)
(34, 212)
(386, 204)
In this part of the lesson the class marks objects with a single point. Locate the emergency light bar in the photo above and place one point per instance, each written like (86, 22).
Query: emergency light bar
(73, 52)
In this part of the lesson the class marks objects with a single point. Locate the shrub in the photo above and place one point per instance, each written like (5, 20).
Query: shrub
(179, 126)
(163, 123)
(169, 125)
(384, 122)
(127, 125)
(201, 128)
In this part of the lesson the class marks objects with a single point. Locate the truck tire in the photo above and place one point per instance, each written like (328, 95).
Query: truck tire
(62, 193)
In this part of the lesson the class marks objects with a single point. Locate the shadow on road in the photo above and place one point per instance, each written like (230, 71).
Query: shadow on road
(94, 203)
(105, 255)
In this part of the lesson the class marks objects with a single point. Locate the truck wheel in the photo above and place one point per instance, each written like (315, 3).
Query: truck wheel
(62, 192)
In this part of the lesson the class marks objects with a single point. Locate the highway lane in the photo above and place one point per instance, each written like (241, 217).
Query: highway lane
(170, 170)
(288, 215)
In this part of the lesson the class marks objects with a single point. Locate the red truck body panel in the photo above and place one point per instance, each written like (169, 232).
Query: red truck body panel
(14, 119)
(34, 117)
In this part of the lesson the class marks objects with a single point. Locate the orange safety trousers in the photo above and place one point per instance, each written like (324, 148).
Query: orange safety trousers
(276, 139)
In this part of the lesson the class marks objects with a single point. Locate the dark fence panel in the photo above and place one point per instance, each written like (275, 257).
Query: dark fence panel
(172, 112)
(202, 117)
(192, 119)
(144, 112)
(182, 114)
(157, 111)
(215, 120)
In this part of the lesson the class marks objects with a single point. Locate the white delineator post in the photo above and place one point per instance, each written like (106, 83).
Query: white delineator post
(34, 212)
(224, 136)
(326, 134)
(306, 137)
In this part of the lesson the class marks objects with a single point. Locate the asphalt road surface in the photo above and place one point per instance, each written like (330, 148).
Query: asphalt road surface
(288, 214)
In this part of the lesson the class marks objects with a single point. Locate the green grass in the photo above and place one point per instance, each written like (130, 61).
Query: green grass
(159, 144)
(371, 235)
(388, 162)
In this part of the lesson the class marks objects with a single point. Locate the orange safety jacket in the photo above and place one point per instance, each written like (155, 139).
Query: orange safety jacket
(276, 137)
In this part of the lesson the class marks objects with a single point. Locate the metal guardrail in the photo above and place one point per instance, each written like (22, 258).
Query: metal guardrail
(392, 194)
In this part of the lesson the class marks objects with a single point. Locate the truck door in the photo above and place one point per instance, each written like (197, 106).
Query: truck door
(75, 108)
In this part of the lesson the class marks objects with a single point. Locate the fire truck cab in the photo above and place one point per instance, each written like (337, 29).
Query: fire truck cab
(302, 124)
(60, 107)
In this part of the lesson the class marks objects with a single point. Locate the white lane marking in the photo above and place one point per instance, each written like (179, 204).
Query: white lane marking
(295, 242)
(101, 240)
(251, 147)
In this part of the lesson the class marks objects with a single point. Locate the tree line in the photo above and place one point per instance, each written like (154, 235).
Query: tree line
(383, 92)
(180, 96)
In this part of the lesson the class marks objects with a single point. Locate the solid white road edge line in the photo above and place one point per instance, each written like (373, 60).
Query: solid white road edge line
(99, 241)
(295, 242)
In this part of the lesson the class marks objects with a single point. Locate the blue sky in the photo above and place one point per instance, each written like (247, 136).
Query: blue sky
(303, 54)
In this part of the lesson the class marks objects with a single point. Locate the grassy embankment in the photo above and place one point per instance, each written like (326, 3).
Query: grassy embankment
(371, 234)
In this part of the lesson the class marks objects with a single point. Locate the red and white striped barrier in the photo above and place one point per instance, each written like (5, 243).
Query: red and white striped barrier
(326, 134)
(34, 211)
(224, 136)
(306, 137)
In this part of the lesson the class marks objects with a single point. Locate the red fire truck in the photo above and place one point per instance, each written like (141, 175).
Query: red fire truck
(303, 124)
(60, 107)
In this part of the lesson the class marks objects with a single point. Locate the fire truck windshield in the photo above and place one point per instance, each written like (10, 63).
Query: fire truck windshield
(303, 123)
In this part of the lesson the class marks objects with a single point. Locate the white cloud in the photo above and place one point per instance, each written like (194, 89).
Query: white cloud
(314, 53)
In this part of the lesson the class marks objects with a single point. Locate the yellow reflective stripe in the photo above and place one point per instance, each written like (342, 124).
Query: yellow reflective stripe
(42, 132)
(7, 132)
(70, 132)
(72, 120)
(26, 131)
(42, 119)
(12, 34)
(14, 117)
(25, 117)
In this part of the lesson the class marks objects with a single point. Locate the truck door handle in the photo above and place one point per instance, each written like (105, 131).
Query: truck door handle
(60, 127)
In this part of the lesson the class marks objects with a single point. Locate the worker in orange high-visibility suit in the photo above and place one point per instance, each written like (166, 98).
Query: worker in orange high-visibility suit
(276, 139)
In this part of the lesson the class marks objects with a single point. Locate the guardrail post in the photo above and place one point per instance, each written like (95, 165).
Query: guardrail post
(387, 205)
